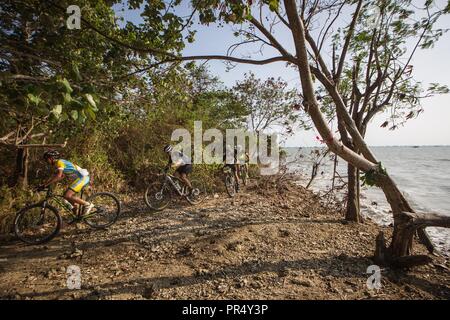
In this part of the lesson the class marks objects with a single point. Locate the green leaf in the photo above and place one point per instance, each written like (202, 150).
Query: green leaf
(74, 114)
(34, 99)
(82, 117)
(370, 177)
(91, 101)
(76, 71)
(66, 85)
(57, 110)
(67, 97)
(90, 113)
(64, 117)
(273, 5)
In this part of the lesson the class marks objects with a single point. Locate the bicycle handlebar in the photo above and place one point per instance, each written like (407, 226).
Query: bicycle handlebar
(41, 188)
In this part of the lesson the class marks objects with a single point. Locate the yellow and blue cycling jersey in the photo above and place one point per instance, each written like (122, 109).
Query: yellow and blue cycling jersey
(79, 183)
(81, 175)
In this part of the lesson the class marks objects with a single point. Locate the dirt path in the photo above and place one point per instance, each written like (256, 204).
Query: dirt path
(256, 246)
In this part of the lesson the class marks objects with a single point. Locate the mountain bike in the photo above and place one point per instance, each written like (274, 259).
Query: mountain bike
(40, 222)
(231, 185)
(160, 194)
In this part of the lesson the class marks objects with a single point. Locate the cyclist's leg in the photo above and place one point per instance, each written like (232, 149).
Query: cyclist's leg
(236, 172)
(236, 176)
(74, 188)
(183, 172)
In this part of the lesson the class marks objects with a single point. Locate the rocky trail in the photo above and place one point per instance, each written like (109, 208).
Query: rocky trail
(258, 245)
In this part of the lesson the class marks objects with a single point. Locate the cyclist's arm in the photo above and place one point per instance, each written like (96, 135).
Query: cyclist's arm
(57, 177)
(175, 165)
(169, 163)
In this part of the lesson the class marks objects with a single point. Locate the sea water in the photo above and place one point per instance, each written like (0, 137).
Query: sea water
(422, 173)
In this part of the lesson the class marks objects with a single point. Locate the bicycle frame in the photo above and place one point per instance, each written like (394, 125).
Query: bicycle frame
(170, 178)
(59, 199)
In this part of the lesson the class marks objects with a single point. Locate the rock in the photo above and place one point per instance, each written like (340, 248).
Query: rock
(234, 246)
(63, 256)
(76, 253)
(76, 295)
(302, 282)
(201, 272)
(185, 251)
(51, 273)
(256, 285)
(348, 290)
(284, 233)
(155, 249)
(242, 283)
(222, 288)
(351, 283)
(285, 206)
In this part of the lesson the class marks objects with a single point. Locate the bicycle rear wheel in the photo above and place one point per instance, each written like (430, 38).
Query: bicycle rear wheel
(158, 196)
(37, 224)
(105, 212)
(244, 174)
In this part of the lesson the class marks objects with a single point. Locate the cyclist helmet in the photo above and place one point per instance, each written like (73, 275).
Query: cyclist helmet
(51, 154)
(168, 148)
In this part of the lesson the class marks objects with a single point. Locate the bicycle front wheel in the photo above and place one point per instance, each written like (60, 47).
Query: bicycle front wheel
(157, 196)
(37, 224)
(230, 185)
(105, 212)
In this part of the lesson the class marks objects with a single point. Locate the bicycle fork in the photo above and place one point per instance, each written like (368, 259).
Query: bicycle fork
(41, 218)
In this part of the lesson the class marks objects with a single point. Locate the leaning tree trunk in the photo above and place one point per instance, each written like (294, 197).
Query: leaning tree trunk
(400, 246)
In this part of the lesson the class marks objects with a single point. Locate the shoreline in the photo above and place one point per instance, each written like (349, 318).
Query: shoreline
(440, 237)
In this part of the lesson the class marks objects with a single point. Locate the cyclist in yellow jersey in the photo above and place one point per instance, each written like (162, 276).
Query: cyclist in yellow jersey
(52, 157)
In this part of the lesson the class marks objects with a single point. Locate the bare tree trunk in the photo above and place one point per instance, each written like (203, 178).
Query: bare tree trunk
(401, 243)
(352, 213)
(21, 171)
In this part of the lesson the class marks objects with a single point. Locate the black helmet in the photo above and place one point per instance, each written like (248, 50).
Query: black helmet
(51, 154)
(168, 148)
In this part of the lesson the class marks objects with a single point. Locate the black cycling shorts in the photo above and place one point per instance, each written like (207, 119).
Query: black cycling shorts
(233, 166)
(187, 168)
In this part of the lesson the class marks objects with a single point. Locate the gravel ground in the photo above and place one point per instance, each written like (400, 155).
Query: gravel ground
(254, 246)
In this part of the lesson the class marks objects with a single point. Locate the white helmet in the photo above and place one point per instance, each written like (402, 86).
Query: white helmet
(168, 148)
